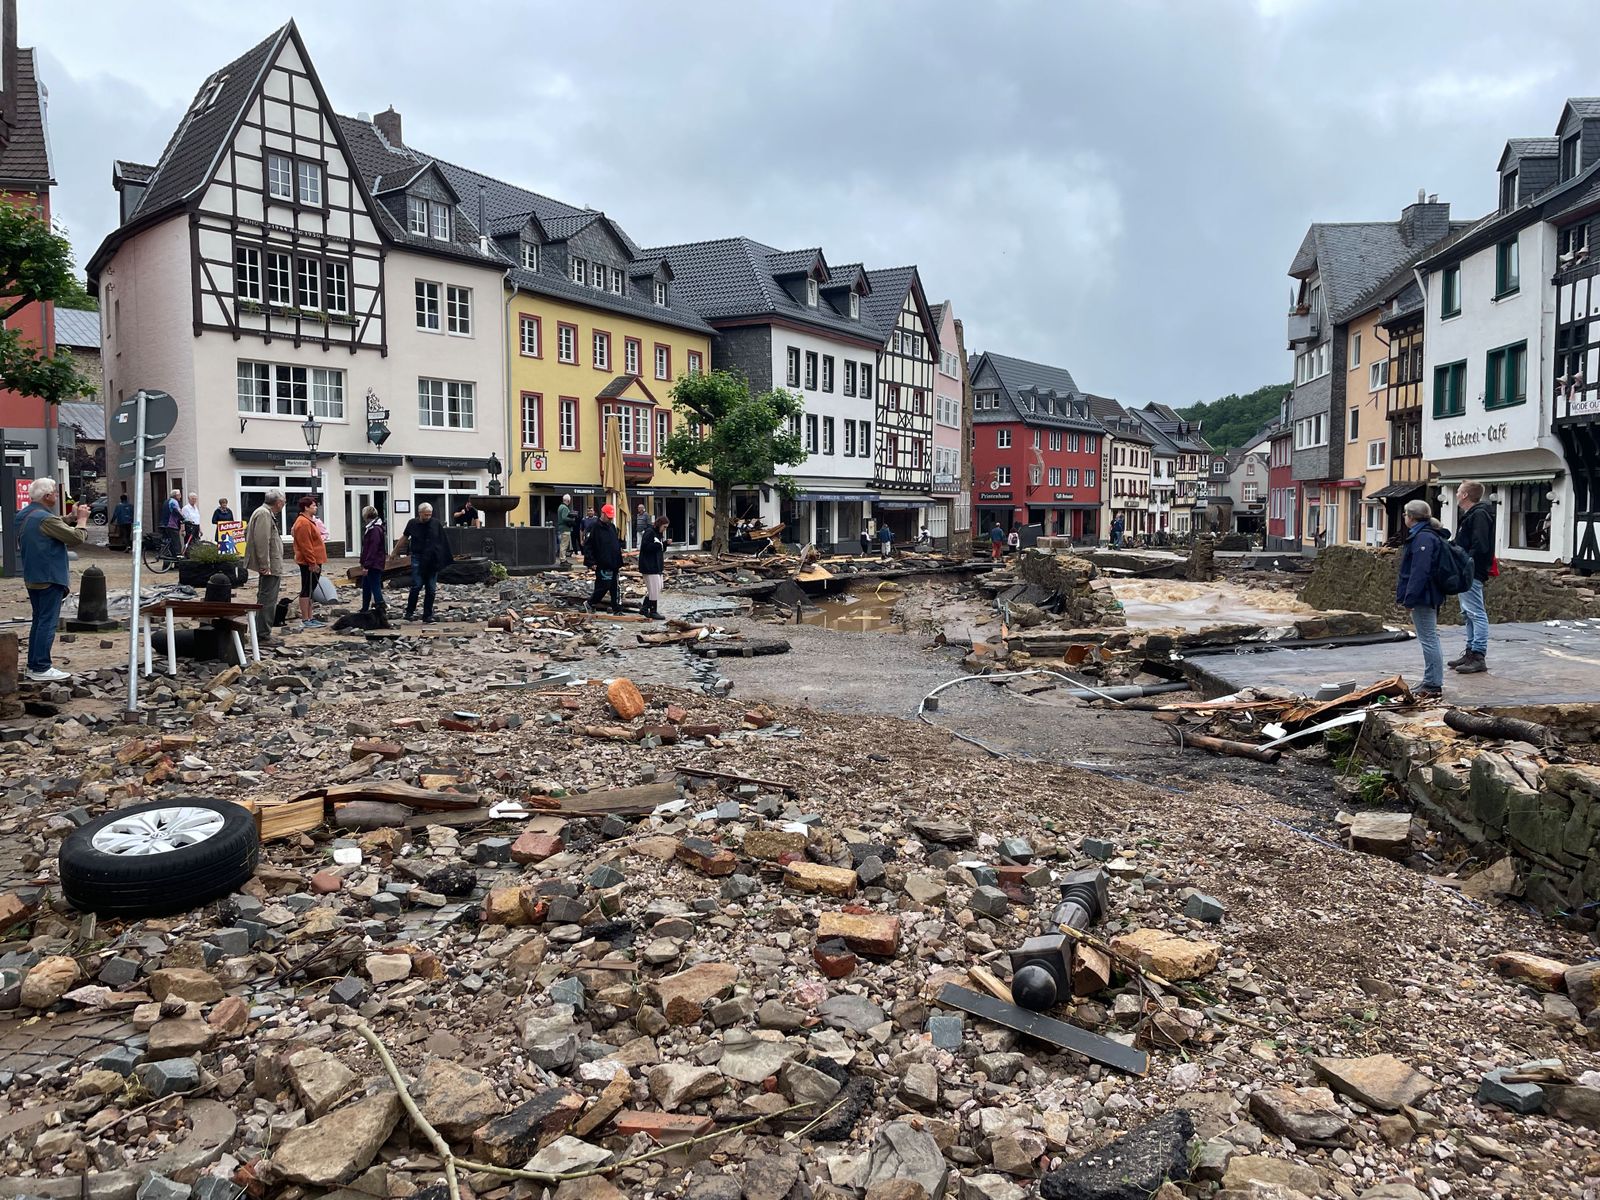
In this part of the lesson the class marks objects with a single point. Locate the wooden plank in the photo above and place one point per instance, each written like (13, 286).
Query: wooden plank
(275, 821)
(991, 983)
(618, 802)
(1047, 1029)
(394, 792)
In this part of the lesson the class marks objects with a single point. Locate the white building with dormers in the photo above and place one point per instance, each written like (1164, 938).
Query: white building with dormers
(262, 277)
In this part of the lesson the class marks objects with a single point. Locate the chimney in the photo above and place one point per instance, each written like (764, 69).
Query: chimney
(1425, 222)
(388, 123)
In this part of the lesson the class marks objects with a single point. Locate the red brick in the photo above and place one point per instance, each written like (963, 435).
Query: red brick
(535, 847)
(706, 858)
(700, 731)
(866, 933)
(663, 1127)
(386, 750)
(676, 713)
(325, 883)
(458, 726)
(834, 958)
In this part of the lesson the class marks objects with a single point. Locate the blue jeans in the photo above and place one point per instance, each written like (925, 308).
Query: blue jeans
(426, 582)
(46, 604)
(371, 589)
(1426, 622)
(1477, 618)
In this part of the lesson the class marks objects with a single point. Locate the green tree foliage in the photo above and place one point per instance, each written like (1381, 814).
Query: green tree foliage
(77, 296)
(35, 266)
(1233, 420)
(731, 438)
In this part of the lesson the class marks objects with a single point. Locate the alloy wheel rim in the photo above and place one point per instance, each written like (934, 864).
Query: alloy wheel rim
(158, 831)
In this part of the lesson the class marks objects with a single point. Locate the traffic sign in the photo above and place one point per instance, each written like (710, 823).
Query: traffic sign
(160, 416)
(290, 464)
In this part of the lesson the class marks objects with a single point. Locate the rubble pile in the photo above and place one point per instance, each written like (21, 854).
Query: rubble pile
(586, 923)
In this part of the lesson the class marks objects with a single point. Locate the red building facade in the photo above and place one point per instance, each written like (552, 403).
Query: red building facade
(1037, 450)
(1282, 499)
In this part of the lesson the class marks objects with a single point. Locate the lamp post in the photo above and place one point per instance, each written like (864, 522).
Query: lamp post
(313, 435)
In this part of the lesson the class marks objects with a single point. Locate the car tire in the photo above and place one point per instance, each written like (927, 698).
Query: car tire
(98, 518)
(153, 859)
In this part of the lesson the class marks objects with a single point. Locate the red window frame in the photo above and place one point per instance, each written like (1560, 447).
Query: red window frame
(600, 333)
(538, 335)
(663, 419)
(561, 327)
(537, 400)
(577, 426)
(638, 355)
(656, 364)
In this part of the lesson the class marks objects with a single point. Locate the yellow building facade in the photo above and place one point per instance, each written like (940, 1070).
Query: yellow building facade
(574, 367)
(1366, 429)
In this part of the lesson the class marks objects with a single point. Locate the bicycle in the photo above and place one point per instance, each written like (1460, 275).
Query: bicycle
(157, 553)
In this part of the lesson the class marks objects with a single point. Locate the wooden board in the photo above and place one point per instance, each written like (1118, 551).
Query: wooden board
(283, 820)
(394, 792)
(618, 802)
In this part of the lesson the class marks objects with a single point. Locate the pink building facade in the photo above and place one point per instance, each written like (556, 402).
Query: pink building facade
(950, 518)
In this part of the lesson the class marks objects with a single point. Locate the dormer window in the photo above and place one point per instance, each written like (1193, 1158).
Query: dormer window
(438, 221)
(1508, 191)
(580, 270)
(855, 306)
(661, 294)
(417, 216)
(811, 293)
(1571, 156)
(597, 276)
(616, 281)
(530, 256)
(427, 218)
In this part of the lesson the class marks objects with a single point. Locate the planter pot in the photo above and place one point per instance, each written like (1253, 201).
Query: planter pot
(198, 574)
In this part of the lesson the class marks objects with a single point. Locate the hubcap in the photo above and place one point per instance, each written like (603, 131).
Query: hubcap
(158, 831)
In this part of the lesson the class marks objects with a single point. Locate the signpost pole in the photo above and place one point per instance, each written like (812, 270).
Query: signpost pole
(136, 548)
(7, 487)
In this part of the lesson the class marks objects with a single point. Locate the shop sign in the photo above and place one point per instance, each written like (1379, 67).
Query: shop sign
(535, 460)
(1062, 496)
(1455, 439)
(994, 495)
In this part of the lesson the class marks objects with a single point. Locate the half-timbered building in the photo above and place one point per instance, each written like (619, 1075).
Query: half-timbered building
(269, 274)
(1576, 364)
(908, 357)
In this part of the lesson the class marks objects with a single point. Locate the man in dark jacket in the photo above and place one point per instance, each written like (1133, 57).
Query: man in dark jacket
(602, 549)
(1416, 590)
(641, 522)
(1475, 535)
(425, 541)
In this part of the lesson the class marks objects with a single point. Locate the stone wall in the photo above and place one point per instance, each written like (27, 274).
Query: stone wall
(1498, 798)
(1086, 598)
(1364, 580)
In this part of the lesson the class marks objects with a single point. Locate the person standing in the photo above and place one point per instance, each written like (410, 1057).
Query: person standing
(603, 552)
(1416, 590)
(653, 564)
(997, 541)
(1475, 535)
(586, 527)
(425, 540)
(565, 532)
(1117, 527)
(1013, 541)
(886, 539)
(263, 554)
(172, 523)
(42, 541)
(374, 554)
(122, 524)
(190, 514)
(641, 522)
(223, 512)
(866, 538)
(310, 554)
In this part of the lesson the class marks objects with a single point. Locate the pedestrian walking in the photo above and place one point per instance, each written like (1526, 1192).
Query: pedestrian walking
(310, 554)
(190, 513)
(1417, 590)
(42, 541)
(585, 527)
(1013, 541)
(885, 539)
(172, 523)
(263, 554)
(122, 524)
(866, 538)
(603, 551)
(1475, 535)
(374, 554)
(425, 540)
(653, 564)
(641, 521)
(566, 526)
(997, 542)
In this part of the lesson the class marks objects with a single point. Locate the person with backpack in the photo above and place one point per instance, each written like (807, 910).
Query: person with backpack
(1420, 589)
(1475, 535)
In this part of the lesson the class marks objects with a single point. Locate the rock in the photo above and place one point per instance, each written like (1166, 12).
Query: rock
(1246, 1172)
(1172, 957)
(1017, 1152)
(925, 889)
(990, 901)
(801, 1084)
(849, 1011)
(814, 877)
(756, 1059)
(169, 1077)
(865, 933)
(770, 1176)
(1518, 1097)
(1304, 1115)
(675, 1084)
(535, 847)
(1583, 986)
(897, 1189)
(1130, 1168)
(455, 1099)
(185, 983)
(1201, 907)
(48, 980)
(1580, 1105)
(508, 1141)
(683, 996)
(159, 1187)
(919, 1087)
(1546, 974)
(231, 1017)
(334, 1149)
(388, 968)
(947, 833)
(319, 1079)
(901, 1152)
(178, 1036)
(833, 958)
(625, 699)
(1380, 1081)
(706, 857)
(606, 1105)
(1211, 1160)
(1381, 833)
(567, 1153)
(1497, 879)
(770, 845)
(1393, 1191)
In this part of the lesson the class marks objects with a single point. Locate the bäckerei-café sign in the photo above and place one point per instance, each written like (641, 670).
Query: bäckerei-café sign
(1455, 439)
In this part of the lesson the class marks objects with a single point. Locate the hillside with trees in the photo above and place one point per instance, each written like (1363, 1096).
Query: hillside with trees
(1234, 420)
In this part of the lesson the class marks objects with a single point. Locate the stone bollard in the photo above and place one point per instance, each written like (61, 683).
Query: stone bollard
(93, 614)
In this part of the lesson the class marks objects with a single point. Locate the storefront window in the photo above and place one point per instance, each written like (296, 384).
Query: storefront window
(253, 493)
(445, 494)
(1529, 506)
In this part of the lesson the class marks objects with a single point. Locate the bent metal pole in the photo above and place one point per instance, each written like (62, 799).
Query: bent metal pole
(136, 549)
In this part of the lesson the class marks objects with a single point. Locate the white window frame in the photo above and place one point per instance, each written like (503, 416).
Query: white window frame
(577, 269)
(694, 362)
(1055, 439)
(532, 431)
(438, 221)
(616, 281)
(1002, 439)
(1377, 375)
(308, 182)
(811, 292)
(864, 438)
(849, 385)
(663, 427)
(458, 310)
(279, 278)
(247, 273)
(600, 347)
(446, 404)
(308, 284)
(663, 357)
(827, 436)
(1053, 477)
(280, 177)
(813, 433)
(855, 306)
(336, 288)
(530, 256)
(1002, 476)
(530, 331)
(429, 314)
(1377, 454)
(791, 366)
(1352, 424)
(290, 391)
(417, 216)
(597, 276)
(1355, 349)
(568, 422)
(567, 344)
(630, 356)
(661, 294)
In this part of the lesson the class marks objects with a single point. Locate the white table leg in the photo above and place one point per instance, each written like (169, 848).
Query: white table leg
(255, 644)
(172, 644)
(238, 648)
(149, 650)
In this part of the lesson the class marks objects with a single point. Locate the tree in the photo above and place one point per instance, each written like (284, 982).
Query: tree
(731, 438)
(35, 266)
(1234, 419)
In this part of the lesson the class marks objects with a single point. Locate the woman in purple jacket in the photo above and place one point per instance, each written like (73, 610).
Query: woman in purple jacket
(374, 553)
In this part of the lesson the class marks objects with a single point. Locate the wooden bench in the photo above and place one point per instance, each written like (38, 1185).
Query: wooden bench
(230, 615)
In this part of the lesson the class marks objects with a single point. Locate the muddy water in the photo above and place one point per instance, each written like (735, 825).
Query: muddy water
(865, 608)
(1167, 604)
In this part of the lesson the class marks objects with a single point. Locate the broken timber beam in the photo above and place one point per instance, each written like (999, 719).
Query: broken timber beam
(1510, 729)
(1218, 745)
(394, 792)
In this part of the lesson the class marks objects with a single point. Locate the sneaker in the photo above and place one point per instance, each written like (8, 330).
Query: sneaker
(1426, 692)
(1473, 664)
(50, 675)
(313, 623)
(1456, 662)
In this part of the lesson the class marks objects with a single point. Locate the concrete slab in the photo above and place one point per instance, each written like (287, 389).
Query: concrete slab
(1554, 662)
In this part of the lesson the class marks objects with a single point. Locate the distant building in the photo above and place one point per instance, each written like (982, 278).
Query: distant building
(1125, 467)
(82, 423)
(950, 518)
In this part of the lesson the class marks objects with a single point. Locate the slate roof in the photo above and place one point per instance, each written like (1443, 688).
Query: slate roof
(1552, 204)
(881, 306)
(559, 287)
(1407, 302)
(1021, 379)
(89, 418)
(185, 165)
(1351, 259)
(1018, 375)
(1166, 420)
(133, 172)
(1587, 107)
(730, 278)
(1534, 147)
(1160, 443)
(504, 200)
(620, 385)
(1117, 420)
(26, 158)
(937, 312)
(77, 328)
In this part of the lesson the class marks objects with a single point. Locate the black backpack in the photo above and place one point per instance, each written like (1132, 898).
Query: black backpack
(1452, 568)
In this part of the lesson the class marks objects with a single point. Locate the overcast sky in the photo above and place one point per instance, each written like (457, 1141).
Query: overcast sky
(1114, 188)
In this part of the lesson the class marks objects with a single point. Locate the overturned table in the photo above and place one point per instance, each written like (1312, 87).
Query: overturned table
(227, 614)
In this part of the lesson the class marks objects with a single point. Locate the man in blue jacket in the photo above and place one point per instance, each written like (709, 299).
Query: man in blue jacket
(42, 541)
(1475, 535)
(1415, 589)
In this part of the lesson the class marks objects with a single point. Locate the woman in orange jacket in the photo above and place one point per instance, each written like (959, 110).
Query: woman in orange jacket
(311, 552)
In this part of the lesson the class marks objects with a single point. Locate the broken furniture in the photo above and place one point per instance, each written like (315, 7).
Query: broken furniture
(1041, 968)
(228, 615)
(1092, 1046)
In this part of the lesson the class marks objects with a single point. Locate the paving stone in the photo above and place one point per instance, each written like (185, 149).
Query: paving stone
(990, 901)
(1201, 907)
(169, 1076)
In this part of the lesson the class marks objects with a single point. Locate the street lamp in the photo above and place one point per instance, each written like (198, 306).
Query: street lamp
(313, 435)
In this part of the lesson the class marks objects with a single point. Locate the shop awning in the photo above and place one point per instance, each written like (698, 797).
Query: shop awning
(436, 463)
(1508, 477)
(361, 459)
(559, 489)
(1395, 491)
(900, 505)
(278, 456)
(1345, 483)
(807, 496)
(670, 493)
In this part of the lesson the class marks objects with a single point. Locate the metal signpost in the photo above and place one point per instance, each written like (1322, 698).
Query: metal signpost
(142, 421)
